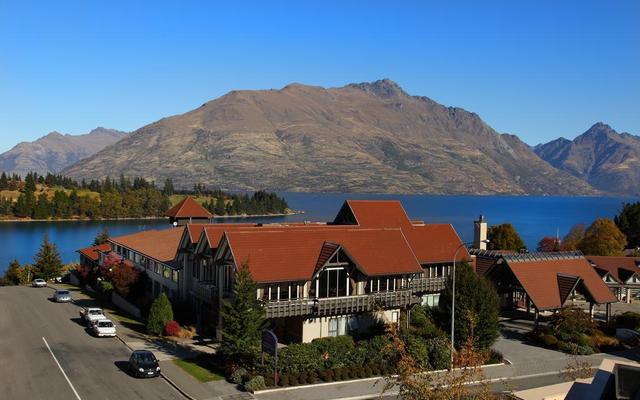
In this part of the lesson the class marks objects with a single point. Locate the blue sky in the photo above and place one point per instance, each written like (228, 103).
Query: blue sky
(538, 69)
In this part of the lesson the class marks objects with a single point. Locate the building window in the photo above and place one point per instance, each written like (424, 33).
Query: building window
(338, 326)
(166, 272)
(395, 316)
(431, 300)
(174, 275)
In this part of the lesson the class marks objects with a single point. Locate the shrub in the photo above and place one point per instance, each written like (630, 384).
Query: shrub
(628, 320)
(171, 328)
(159, 314)
(337, 349)
(283, 380)
(376, 348)
(238, 376)
(188, 332)
(300, 357)
(439, 354)
(327, 375)
(418, 350)
(105, 288)
(572, 321)
(495, 357)
(254, 384)
(367, 371)
(375, 369)
(269, 380)
(293, 379)
(339, 374)
(303, 378)
(549, 341)
(313, 377)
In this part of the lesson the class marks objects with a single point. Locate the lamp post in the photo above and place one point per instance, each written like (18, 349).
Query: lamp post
(453, 298)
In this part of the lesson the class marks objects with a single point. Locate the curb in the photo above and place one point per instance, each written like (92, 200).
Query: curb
(176, 387)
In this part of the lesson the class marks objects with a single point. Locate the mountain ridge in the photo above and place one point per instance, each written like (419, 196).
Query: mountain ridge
(608, 160)
(55, 151)
(366, 137)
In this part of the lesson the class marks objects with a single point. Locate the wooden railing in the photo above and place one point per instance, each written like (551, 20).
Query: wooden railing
(429, 285)
(340, 305)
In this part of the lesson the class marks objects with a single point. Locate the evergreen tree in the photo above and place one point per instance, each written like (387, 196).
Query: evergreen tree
(476, 312)
(47, 261)
(243, 319)
(24, 205)
(42, 209)
(628, 221)
(4, 181)
(168, 189)
(159, 314)
(102, 237)
(504, 237)
(30, 183)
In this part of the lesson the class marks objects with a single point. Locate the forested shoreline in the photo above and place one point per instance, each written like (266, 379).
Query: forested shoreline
(56, 197)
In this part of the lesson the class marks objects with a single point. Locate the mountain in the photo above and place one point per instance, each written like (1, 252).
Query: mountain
(608, 160)
(367, 137)
(55, 151)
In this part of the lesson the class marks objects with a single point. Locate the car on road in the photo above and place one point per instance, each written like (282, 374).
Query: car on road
(104, 328)
(144, 363)
(91, 314)
(39, 283)
(62, 296)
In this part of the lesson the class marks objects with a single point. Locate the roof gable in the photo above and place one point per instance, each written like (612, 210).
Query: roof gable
(188, 208)
(160, 245)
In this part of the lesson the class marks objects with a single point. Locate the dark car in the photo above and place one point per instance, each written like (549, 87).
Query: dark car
(143, 363)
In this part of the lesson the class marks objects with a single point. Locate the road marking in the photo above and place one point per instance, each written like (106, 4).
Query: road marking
(61, 370)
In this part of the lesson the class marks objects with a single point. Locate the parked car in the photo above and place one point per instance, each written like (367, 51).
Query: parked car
(104, 327)
(62, 296)
(143, 363)
(39, 283)
(91, 314)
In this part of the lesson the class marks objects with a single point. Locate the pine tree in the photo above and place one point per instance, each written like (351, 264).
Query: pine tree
(476, 313)
(4, 181)
(47, 261)
(30, 183)
(168, 189)
(102, 237)
(243, 319)
(42, 210)
(159, 314)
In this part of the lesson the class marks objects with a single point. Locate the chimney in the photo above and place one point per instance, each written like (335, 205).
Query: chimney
(480, 233)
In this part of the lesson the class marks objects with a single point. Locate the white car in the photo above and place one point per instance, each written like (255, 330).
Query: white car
(39, 283)
(91, 315)
(62, 296)
(104, 327)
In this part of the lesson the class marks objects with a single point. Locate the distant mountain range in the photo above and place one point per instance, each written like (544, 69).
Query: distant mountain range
(368, 137)
(55, 151)
(608, 160)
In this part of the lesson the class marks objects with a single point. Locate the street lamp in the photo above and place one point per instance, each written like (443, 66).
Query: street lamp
(453, 297)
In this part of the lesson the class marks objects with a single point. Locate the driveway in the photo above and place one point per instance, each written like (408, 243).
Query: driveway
(48, 354)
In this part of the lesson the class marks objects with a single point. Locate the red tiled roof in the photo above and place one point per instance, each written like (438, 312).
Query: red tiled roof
(431, 243)
(92, 252)
(292, 254)
(620, 268)
(540, 280)
(188, 208)
(160, 245)
(378, 213)
(195, 230)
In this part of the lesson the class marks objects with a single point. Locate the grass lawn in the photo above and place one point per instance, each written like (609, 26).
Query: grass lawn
(193, 368)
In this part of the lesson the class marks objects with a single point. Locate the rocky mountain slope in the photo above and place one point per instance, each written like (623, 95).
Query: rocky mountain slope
(368, 137)
(608, 160)
(55, 151)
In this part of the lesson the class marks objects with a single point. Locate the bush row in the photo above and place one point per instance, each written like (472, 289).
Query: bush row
(327, 375)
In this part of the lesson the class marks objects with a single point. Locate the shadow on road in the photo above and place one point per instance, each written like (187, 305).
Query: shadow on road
(78, 321)
(84, 303)
(123, 366)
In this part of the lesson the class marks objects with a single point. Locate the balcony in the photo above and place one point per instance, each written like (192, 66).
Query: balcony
(428, 285)
(340, 305)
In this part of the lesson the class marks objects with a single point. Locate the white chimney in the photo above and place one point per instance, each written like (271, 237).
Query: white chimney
(480, 233)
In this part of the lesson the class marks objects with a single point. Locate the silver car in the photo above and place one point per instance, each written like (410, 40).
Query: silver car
(62, 296)
(39, 283)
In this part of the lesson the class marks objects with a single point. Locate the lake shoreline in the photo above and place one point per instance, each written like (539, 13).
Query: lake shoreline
(145, 218)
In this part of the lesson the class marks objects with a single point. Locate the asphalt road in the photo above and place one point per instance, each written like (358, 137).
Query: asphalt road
(33, 330)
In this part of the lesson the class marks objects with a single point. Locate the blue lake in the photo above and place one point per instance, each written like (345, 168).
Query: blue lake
(533, 217)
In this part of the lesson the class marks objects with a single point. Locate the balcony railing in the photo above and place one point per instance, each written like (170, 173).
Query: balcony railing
(430, 285)
(340, 305)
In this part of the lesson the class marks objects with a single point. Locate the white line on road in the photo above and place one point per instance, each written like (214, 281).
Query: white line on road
(61, 370)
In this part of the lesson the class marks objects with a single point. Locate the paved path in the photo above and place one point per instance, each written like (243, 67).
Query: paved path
(71, 364)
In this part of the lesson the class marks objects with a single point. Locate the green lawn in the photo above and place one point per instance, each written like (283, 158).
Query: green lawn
(193, 368)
